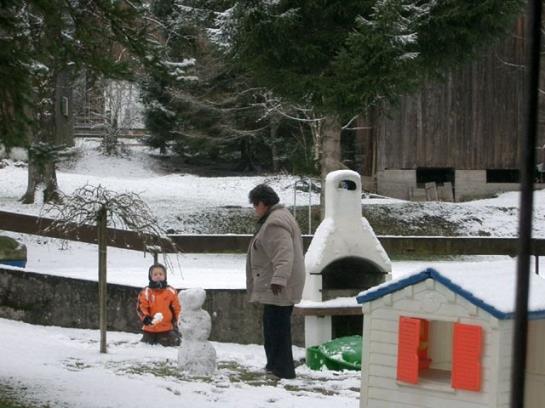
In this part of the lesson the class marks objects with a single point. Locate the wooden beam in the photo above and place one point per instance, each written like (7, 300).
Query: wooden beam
(229, 243)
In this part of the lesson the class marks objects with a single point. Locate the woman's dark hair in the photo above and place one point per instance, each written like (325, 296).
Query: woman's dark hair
(263, 193)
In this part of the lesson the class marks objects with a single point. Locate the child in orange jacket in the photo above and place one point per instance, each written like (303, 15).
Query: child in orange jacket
(159, 308)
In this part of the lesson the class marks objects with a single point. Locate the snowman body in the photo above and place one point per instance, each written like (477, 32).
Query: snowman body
(196, 355)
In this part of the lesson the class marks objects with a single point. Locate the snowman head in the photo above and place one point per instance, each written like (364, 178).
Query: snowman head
(192, 299)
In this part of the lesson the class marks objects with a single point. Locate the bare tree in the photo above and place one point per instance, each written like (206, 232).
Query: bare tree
(324, 130)
(97, 206)
(121, 113)
(108, 109)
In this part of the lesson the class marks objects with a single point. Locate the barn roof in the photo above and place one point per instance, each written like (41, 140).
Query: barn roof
(492, 291)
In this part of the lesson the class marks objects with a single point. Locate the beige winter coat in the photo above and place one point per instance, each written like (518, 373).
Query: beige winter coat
(276, 256)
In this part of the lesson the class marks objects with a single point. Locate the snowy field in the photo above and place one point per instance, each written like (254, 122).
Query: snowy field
(209, 271)
(170, 196)
(176, 198)
(60, 367)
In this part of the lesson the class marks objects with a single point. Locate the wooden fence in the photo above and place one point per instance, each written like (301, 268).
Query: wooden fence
(394, 245)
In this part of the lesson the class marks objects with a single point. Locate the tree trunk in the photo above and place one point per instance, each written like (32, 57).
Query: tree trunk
(330, 153)
(51, 192)
(102, 235)
(274, 125)
(41, 172)
(41, 168)
(34, 178)
(246, 161)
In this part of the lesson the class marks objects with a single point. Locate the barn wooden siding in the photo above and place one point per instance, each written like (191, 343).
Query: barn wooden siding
(473, 120)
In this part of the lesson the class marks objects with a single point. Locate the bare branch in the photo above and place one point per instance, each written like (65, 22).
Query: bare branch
(124, 211)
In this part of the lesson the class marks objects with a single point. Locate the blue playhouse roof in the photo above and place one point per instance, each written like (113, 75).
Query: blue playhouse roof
(492, 291)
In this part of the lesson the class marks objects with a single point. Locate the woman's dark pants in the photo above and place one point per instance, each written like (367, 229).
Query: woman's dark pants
(277, 340)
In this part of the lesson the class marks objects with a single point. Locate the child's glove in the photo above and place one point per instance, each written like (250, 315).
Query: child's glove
(147, 320)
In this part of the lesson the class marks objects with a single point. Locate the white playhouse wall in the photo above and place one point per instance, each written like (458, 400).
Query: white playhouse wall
(428, 300)
(535, 364)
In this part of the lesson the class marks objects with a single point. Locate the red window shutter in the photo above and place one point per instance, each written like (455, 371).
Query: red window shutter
(466, 357)
(407, 349)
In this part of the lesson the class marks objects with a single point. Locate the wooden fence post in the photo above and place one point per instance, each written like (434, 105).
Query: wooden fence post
(102, 235)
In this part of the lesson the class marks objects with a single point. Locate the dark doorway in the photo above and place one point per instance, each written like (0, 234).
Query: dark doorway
(502, 176)
(439, 175)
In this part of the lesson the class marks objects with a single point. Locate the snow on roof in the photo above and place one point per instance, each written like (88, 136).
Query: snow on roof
(491, 290)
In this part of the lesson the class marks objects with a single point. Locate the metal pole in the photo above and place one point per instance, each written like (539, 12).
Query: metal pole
(102, 280)
(527, 166)
(309, 206)
(295, 200)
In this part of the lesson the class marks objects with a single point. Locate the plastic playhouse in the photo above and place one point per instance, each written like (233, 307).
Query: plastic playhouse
(343, 353)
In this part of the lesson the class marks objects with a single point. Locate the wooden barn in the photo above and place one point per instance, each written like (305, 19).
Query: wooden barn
(444, 339)
(455, 140)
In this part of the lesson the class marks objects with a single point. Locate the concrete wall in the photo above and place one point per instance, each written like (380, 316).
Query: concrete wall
(52, 300)
(468, 185)
(471, 184)
(396, 183)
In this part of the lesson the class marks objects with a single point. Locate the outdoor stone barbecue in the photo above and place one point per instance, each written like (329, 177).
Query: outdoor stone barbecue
(344, 257)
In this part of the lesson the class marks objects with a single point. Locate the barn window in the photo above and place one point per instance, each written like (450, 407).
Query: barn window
(438, 175)
(502, 176)
(434, 351)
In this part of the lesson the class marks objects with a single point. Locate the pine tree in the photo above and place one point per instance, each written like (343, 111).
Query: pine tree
(208, 108)
(61, 38)
(15, 87)
(345, 56)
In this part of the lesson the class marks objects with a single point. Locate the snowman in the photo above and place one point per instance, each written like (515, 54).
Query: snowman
(196, 355)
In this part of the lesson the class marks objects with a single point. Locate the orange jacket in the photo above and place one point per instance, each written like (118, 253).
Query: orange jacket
(165, 301)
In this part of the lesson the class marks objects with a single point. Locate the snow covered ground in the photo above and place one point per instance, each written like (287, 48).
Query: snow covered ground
(60, 367)
(170, 196)
(176, 198)
(209, 271)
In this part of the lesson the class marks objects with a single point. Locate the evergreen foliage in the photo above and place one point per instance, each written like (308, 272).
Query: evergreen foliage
(344, 56)
(42, 38)
(15, 87)
(206, 108)
(200, 105)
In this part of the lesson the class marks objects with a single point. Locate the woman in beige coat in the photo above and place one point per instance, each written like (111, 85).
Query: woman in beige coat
(275, 276)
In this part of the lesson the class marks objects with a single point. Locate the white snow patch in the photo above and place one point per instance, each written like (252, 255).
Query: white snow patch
(62, 367)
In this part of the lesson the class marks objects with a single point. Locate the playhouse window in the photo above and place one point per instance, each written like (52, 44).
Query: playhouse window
(440, 352)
